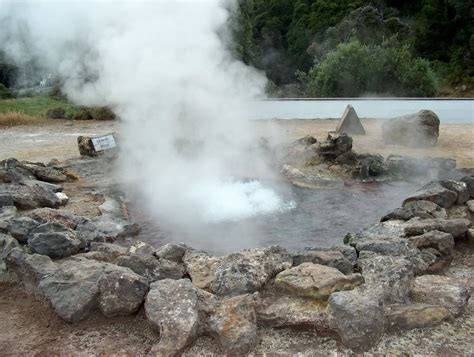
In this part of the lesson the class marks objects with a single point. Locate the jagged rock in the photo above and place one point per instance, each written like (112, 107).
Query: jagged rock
(436, 193)
(45, 185)
(13, 171)
(45, 215)
(386, 246)
(357, 317)
(121, 292)
(470, 205)
(49, 174)
(456, 227)
(173, 252)
(422, 209)
(142, 248)
(108, 250)
(442, 242)
(336, 144)
(171, 307)
(238, 273)
(350, 123)
(459, 187)
(6, 200)
(53, 240)
(29, 197)
(420, 129)
(87, 232)
(21, 227)
(331, 258)
(460, 212)
(151, 267)
(7, 213)
(30, 268)
(281, 310)
(85, 145)
(392, 274)
(348, 252)
(407, 317)
(381, 230)
(469, 181)
(234, 324)
(314, 281)
(7, 244)
(442, 291)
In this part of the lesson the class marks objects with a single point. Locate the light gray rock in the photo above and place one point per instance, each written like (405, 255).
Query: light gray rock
(48, 215)
(459, 187)
(238, 273)
(442, 291)
(469, 181)
(419, 129)
(436, 193)
(460, 211)
(470, 205)
(234, 324)
(391, 229)
(314, 281)
(282, 311)
(422, 209)
(21, 227)
(171, 307)
(357, 316)
(7, 213)
(387, 246)
(456, 227)
(109, 251)
(151, 267)
(442, 242)
(391, 274)
(173, 252)
(331, 258)
(121, 291)
(53, 240)
(407, 317)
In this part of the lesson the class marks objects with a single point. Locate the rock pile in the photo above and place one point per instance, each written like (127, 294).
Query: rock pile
(382, 280)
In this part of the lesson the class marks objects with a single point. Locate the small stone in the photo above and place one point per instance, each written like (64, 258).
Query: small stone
(315, 281)
(442, 291)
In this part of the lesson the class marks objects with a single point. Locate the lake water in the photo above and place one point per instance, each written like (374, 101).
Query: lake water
(448, 110)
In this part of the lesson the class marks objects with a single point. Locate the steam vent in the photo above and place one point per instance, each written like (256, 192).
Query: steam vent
(350, 122)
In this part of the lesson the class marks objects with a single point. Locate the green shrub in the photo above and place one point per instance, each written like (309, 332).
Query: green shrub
(354, 69)
(5, 93)
(102, 113)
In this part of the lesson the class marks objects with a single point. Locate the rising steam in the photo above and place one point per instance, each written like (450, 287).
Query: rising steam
(165, 70)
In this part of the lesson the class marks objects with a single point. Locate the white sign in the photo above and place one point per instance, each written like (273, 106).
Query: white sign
(104, 142)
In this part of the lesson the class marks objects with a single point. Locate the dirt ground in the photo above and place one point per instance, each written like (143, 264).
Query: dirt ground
(29, 327)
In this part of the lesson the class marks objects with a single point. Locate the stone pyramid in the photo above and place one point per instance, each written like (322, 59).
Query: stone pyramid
(350, 123)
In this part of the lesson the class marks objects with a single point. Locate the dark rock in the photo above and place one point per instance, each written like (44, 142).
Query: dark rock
(386, 246)
(45, 215)
(314, 281)
(414, 130)
(6, 200)
(441, 291)
(331, 258)
(171, 307)
(307, 140)
(151, 267)
(53, 240)
(13, 171)
(436, 193)
(469, 181)
(21, 227)
(121, 292)
(459, 187)
(29, 197)
(407, 317)
(357, 317)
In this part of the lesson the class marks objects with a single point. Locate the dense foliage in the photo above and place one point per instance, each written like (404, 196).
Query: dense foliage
(355, 47)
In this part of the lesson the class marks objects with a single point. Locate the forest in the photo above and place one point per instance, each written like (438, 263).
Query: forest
(351, 48)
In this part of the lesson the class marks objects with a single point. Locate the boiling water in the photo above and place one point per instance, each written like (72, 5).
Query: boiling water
(320, 218)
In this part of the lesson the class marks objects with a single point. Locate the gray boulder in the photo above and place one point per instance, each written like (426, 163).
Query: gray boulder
(469, 181)
(151, 267)
(172, 308)
(7, 213)
(422, 209)
(121, 292)
(357, 316)
(420, 129)
(332, 258)
(314, 281)
(6, 200)
(461, 211)
(459, 187)
(48, 215)
(53, 240)
(21, 227)
(388, 246)
(442, 242)
(173, 252)
(442, 291)
(29, 197)
(434, 192)
(108, 251)
(456, 227)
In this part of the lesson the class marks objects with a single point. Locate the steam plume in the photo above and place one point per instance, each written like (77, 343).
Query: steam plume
(164, 69)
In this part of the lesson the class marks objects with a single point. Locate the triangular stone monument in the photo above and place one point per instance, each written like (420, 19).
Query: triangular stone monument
(350, 123)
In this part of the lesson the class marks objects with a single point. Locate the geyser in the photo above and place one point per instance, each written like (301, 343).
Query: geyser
(165, 69)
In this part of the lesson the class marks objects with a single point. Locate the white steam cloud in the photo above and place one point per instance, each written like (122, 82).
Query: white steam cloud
(165, 70)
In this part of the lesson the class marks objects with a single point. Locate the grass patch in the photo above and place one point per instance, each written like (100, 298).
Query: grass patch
(35, 106)
(9, 119)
